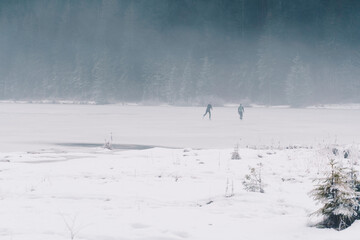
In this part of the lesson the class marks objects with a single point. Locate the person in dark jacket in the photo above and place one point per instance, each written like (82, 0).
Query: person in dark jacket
(208, 110)
(241, 111)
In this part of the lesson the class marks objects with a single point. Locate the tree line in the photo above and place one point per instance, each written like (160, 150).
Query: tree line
(295, 52)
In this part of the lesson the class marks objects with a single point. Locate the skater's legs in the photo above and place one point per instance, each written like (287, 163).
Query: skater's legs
(207, 112)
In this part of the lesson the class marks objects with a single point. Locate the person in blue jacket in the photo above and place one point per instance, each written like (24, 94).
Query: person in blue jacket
(241, 111)
(208, 110)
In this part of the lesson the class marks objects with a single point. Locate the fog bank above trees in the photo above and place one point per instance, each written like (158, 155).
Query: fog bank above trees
(294, 52)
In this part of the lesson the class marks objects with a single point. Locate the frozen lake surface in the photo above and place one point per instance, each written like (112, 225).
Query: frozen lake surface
(32, 126)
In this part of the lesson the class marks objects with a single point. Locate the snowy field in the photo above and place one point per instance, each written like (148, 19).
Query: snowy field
(170, 175)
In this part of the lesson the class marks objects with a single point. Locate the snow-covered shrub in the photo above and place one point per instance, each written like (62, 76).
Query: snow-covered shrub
(108, 143)
(229, 190)
(353, 174)
(339, 199)
(235, 154)
(354, 182)
(253, 181)
(355, 185)
(335, 151)
(72, 227)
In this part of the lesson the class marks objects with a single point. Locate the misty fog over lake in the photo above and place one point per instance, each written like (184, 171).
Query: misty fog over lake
(183, 52)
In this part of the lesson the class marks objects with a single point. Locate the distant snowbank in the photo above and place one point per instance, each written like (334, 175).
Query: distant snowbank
(49, 102)
(352, 106)
(265, 106)
(251, 105)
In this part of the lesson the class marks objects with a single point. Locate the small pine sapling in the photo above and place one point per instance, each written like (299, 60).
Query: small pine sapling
(229, 190)
(354, 182)
(338, 199)
(353, 177)
(253, 181)
(355, 185)
(235, 154)
(72, 227)
(108, 143)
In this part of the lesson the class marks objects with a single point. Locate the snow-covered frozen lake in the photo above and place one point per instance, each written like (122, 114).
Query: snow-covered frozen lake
(33, 126)
(58, 183)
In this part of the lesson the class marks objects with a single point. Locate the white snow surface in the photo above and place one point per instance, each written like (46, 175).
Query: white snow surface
(57, 180)
(32, 126)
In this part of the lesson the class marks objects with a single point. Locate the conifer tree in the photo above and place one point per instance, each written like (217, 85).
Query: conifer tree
(338, 198)
(354, 181)
(253, 182)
